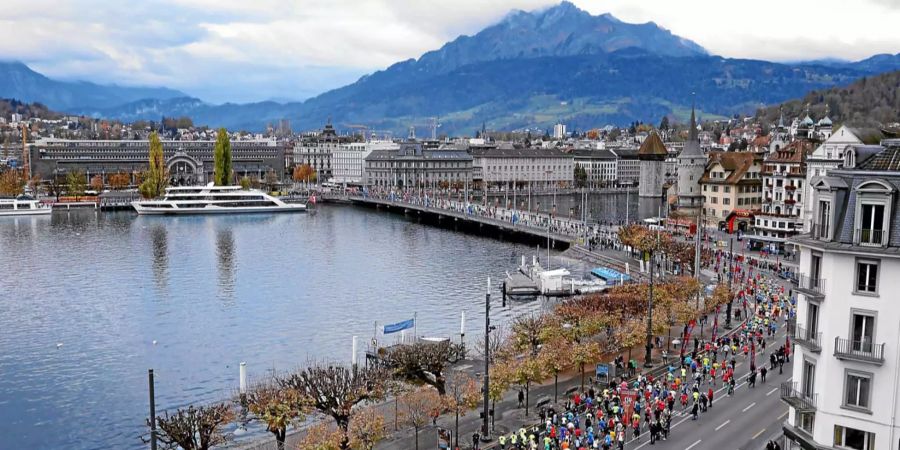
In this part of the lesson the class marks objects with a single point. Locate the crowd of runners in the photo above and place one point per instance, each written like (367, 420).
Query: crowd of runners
(619, 413)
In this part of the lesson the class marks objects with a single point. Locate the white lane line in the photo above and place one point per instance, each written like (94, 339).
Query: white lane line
(783, 415)
(789, 379)
(757, 434)
(770, 392)
(749, 406)
(694, 444)
(723, 424)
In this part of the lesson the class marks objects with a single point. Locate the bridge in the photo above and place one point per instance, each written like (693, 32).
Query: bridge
(498, 218)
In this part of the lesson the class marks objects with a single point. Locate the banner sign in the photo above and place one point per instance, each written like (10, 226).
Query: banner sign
(399, 326)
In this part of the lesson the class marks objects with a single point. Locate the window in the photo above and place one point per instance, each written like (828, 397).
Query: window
(858, 390)
(824, 219)
(867, 276)
(845, 437)
(809, 379)
(871, 224)
(862, 332)
(727, 189)
(726, 200)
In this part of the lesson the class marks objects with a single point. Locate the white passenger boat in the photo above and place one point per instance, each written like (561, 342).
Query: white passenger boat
(211, 199)
(23, 205)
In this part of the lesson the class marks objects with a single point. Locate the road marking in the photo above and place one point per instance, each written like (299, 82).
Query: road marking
(757, 434)
(770, 392)
(723, 424)
(750, 406)
(783, 415)
(694, 444)
(789, 378)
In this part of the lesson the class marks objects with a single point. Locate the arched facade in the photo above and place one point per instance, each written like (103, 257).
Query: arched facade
(185, 170)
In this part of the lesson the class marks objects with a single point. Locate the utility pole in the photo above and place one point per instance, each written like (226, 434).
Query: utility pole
(697, 256)
(485, 430)
(730, 275)
(647, 355)
(152, 412)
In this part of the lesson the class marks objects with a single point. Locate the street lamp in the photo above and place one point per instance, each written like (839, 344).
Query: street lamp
(647, 355)
(485, 429)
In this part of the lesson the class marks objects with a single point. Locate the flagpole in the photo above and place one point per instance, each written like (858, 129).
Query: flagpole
(415, 326)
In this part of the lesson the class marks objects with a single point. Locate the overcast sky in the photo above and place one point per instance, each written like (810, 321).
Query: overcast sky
(250, 50)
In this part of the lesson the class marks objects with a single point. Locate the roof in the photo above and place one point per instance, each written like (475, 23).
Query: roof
(653, 148)
(692, 146)
(887, 160)
(736, 163)
(626, 153)
(595, 154)
(795, 152)
(510, 152)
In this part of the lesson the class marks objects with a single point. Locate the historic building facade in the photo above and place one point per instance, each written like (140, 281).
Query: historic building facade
(652, 156)
(188, 162)
(691, 165)
(413, 166)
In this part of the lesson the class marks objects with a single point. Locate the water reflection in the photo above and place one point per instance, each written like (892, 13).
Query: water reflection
(159, 239)
(225, 258)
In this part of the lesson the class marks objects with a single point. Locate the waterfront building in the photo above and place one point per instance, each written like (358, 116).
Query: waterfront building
(732, 181)
(188, 162)
(691, 168)
(412, 165)
(628, 166)
(317, 149)
(652, 156)
(784, 175)
(846, 386)
(534, 168)
(348, 161)
(599, 165)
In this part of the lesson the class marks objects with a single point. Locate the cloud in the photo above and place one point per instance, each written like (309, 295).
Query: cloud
(237, 50)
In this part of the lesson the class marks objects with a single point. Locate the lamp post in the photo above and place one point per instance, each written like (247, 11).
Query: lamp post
(647, 355)
(730, 275)
(485, 429)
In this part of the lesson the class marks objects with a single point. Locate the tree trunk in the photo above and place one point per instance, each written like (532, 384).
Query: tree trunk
(279, 438)
(343, 423)
(582, 378)
(456, 436)
(417, 438)
(396, 414)
(555, 387)
(527, 389)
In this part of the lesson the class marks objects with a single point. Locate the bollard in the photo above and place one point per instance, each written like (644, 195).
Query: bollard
(353, 356)
(243, 377)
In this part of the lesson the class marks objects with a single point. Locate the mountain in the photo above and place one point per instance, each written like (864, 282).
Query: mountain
(530, 70)
(563, 30)
(868, 102)
(18, 81)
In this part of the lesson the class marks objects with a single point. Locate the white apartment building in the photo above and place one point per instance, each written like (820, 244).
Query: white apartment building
(349, 160)
(784, 176)
(845, 392)
(537, 168)
(559, 131)
(599, 165)
(825, 157)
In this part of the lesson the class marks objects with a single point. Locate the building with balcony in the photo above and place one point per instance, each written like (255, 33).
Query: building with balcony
(784, 176)
(599, 165)
(846, 388)
(348, 161)
(317, 150)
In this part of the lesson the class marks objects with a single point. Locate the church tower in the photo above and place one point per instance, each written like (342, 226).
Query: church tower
(652, 157)
(691, 165)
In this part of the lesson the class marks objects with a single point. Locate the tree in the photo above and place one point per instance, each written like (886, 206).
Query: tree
(118, 180)
(418, 407)
(276, 406)
(55, 186)
(97, 183)
(320, 436)
(75, 184)
(664, 123)
(156, 177)
(424, 362)
(194, 428)
(304, 172)
(580, 176)
(552, 358)
(366, 429)
(11, 183)
(335, 390)
(462, 395)
(524, 372)
(526, 332)
(222, 159)
(584, 353)
(245, 182)
(271, 180)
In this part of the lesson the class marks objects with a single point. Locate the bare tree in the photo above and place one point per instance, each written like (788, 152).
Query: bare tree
(335, 390)
(424, 362)
(194, 428)
(498, 344)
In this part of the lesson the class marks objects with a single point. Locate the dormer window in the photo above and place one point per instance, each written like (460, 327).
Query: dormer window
(873, 209)
(849, 159)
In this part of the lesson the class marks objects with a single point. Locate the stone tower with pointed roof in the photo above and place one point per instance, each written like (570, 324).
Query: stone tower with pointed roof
(652, 156)
(691, 165)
